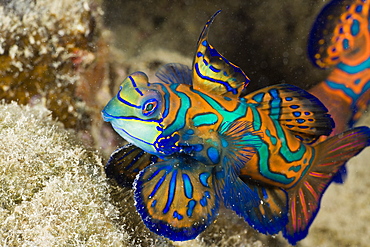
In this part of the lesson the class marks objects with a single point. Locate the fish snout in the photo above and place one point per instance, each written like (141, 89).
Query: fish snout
(106, 116)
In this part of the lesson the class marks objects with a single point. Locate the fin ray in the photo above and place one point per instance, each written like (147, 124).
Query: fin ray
(175, 73)
(263, 207)
(304, 199)
(240, 141)
(270, 216)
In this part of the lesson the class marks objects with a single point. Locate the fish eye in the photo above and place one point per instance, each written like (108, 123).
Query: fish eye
(149, 107)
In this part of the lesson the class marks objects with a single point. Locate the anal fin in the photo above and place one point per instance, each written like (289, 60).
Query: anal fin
(263, 207)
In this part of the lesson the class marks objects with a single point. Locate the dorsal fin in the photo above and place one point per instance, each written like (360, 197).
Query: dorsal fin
(295, 109)
(213, 73)
(339, 33)
(174, 73)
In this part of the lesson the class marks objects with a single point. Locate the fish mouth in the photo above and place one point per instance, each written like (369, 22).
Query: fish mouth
(106, 117)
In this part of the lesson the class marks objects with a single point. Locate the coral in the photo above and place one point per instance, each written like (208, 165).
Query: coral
(53, 191)
(41, 51)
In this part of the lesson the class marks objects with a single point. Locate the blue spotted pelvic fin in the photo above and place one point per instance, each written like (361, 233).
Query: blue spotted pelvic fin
(177, 198)
(295, 109)
(213, 73)
(175, 73)
(126, 162)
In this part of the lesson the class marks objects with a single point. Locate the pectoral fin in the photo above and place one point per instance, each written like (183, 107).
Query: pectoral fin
(240, 142)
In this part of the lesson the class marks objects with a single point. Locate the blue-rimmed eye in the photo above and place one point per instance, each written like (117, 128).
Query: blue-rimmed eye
(149, 107)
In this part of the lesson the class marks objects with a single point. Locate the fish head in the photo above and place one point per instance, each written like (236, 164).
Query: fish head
(135, 112)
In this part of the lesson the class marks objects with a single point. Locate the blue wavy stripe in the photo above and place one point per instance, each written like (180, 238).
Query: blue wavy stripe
(180, 119)
(171, 192)
(354, 69)
(135, 86)
(348, 91)
(108, 117)
(140, 140)
(166, 97)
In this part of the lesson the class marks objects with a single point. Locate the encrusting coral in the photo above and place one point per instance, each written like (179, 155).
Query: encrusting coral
(53, 191)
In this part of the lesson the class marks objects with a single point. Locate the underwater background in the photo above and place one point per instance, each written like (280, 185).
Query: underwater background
(62, 61)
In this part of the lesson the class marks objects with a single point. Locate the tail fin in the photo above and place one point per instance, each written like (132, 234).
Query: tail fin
(331, 155)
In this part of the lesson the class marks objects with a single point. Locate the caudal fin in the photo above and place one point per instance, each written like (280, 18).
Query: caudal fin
(331, 155)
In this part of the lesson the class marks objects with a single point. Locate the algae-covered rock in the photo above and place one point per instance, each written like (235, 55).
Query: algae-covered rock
(53, 191)
(43, 45)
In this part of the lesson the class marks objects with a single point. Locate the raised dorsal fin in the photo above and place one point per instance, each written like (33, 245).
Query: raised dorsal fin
(295, 109)
(213, 73)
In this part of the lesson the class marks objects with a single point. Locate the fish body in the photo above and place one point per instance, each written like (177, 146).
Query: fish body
(198, 144)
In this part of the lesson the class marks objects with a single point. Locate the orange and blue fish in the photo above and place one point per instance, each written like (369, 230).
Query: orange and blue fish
(340, 38)
(197, 143)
